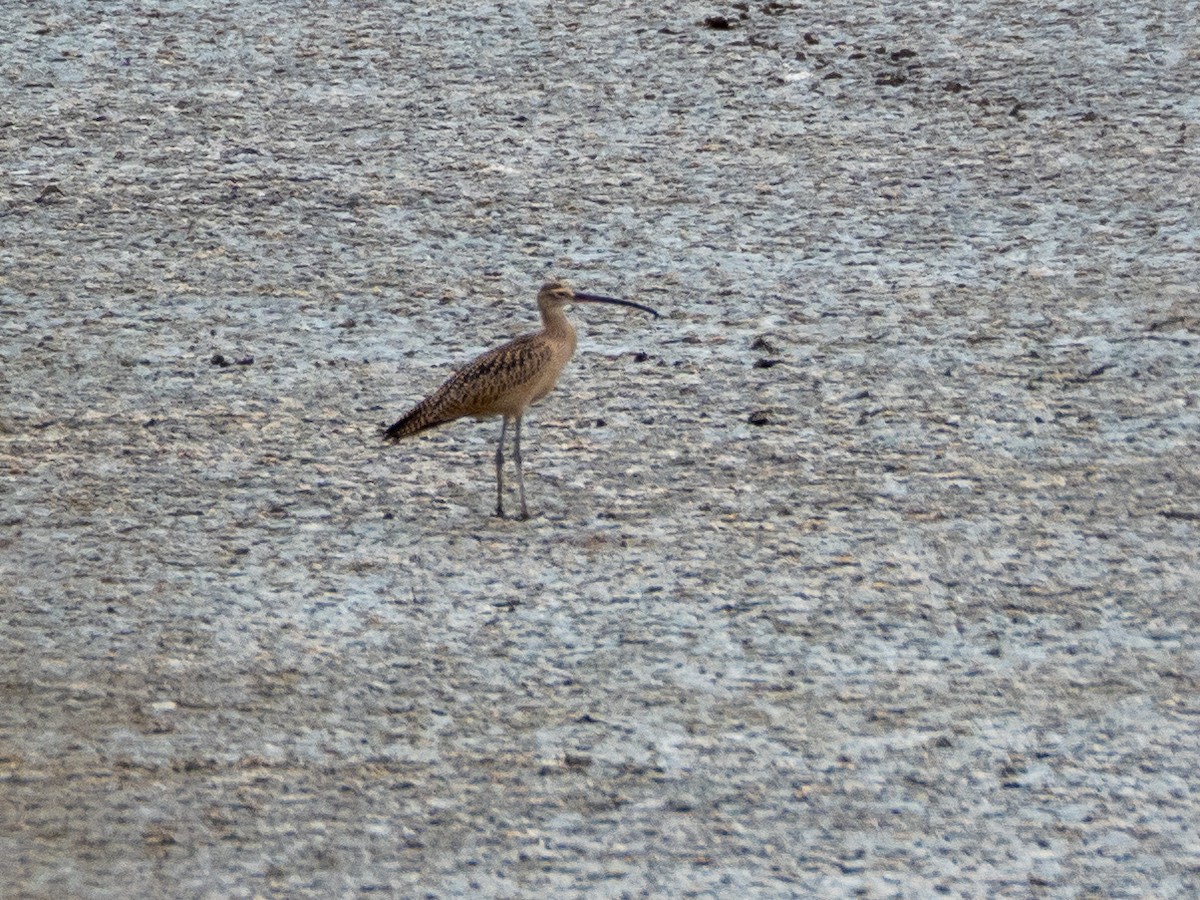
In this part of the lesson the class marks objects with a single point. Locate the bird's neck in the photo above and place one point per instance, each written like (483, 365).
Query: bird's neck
(555, 325)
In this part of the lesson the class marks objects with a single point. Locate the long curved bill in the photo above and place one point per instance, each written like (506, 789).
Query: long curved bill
(596, 298)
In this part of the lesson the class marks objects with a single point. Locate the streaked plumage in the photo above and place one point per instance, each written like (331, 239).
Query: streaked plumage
(506, 380)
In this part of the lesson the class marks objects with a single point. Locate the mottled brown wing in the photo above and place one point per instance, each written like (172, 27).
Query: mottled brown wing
(480, 388)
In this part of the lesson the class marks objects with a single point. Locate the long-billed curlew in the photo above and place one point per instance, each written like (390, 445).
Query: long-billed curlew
(505, 381)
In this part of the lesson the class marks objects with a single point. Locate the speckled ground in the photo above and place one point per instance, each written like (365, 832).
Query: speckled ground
(870, 569)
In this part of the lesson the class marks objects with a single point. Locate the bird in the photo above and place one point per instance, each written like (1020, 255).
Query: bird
(506, 380)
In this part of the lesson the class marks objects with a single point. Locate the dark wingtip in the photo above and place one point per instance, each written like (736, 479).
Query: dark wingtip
(416, 421)
(395, 431)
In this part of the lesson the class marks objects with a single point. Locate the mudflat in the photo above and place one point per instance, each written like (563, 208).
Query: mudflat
(871, 568)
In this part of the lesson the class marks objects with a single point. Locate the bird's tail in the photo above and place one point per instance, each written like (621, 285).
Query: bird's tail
(417, 419)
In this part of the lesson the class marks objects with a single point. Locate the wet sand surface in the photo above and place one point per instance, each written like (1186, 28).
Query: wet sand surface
(871, 568)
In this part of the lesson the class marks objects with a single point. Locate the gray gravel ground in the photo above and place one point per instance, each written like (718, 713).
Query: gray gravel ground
(870, 569)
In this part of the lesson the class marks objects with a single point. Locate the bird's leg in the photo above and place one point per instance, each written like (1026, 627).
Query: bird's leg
(500, 467)
(520, 471)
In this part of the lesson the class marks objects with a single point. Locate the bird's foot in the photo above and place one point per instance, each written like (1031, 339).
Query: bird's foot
(520, 517)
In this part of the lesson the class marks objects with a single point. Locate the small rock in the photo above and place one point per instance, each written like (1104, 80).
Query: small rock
(50, 193)
(760, 417)
(761, 343)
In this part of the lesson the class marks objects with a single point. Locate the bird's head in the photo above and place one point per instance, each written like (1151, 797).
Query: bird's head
(555, 294)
